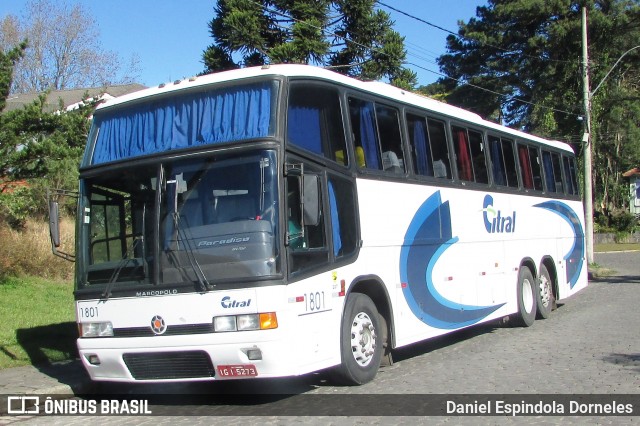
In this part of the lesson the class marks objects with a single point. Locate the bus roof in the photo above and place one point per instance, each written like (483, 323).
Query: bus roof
(372, 87)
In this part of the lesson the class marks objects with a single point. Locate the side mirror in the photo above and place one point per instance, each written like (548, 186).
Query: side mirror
(311, 200)
(54, 223)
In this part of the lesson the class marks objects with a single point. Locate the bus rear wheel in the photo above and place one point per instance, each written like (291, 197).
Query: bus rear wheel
(544, 294)
(361, 342)
(527, 297)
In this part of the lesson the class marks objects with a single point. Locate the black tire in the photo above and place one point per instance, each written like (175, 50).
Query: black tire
(360, 358)
(527, 298)
(544, 294)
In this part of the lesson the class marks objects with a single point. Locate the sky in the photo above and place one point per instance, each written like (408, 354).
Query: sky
(168, 36)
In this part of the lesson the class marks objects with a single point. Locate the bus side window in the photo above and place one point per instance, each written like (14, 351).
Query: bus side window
(497, 161)
(439, 148)
(390, 139)
(552, 173)
(503, 165)
(471, 161)
(477, 156)
(510, 163)
(525, 167)
(536, 170)
(557, 172)
(463, 155)
(376, 135)
(548, 171)
(365, 133)
(571, 183)
(343, 216)
(314, 121)
(306, 243)
(419, 145)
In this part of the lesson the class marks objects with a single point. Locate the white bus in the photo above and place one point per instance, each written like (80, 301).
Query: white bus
(275, 221)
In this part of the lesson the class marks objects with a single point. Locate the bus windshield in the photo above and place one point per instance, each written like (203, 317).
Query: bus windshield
(217, 222)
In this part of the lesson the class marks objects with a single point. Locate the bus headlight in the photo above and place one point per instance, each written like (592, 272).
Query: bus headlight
(248, 322)
(224, 324)
(96, 329)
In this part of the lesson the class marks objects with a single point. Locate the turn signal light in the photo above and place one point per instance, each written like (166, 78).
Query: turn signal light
(268, 321)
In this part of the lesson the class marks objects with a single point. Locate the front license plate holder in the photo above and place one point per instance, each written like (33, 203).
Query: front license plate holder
(237, 370)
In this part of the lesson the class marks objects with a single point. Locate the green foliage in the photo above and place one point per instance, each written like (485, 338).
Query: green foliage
(42, 150)
(17, 206)
(349, 35)
(624, 222)
(621, 223)
(7, 63)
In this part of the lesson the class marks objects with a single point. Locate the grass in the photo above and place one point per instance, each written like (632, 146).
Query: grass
(27, 252)
(601, 248)
(37, 323)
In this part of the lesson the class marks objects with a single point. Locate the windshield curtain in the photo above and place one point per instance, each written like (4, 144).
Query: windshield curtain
(168, 123)
(216, 222)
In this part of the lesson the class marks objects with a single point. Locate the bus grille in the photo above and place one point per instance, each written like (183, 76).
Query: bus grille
(169, 365)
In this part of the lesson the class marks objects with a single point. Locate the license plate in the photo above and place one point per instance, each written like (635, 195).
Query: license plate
(243, 370)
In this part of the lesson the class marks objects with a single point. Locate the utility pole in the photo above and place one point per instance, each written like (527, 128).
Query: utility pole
(586, 139)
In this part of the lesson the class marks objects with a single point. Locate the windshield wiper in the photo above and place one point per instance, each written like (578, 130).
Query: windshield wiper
(195, 266)
(181, 236)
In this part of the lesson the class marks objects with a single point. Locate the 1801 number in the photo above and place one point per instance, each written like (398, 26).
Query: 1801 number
(88, 312)
(314, 301)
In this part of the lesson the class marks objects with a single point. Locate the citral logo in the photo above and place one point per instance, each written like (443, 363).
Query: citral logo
(495, 221)
(227, 302)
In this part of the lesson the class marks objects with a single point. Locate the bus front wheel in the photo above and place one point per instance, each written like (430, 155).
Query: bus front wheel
(361, 342)
(527, 297)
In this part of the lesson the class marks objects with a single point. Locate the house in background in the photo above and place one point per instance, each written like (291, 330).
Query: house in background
(71, 98)
(634, 189)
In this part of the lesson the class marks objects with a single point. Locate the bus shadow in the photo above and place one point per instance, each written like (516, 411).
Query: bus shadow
(47, 343)
(626, 360)
(617, 279)
(231, 397)
(52, 351)
(230, 388)
(436, 343)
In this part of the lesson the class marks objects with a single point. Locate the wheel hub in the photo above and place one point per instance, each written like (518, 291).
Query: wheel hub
(545, 291)
(363, 339)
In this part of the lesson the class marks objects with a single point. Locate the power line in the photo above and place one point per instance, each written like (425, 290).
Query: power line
(462, 36)
(508, 97)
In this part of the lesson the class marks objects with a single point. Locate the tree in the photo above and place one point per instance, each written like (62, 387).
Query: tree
(7, 63)
(348, 35)
(42, 148)
(63, 49)
(519, 61)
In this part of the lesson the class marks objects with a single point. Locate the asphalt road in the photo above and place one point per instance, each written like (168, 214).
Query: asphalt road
(589, 345)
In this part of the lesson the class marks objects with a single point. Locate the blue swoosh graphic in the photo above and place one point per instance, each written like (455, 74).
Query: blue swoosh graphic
(428, 236)
(575, 257)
